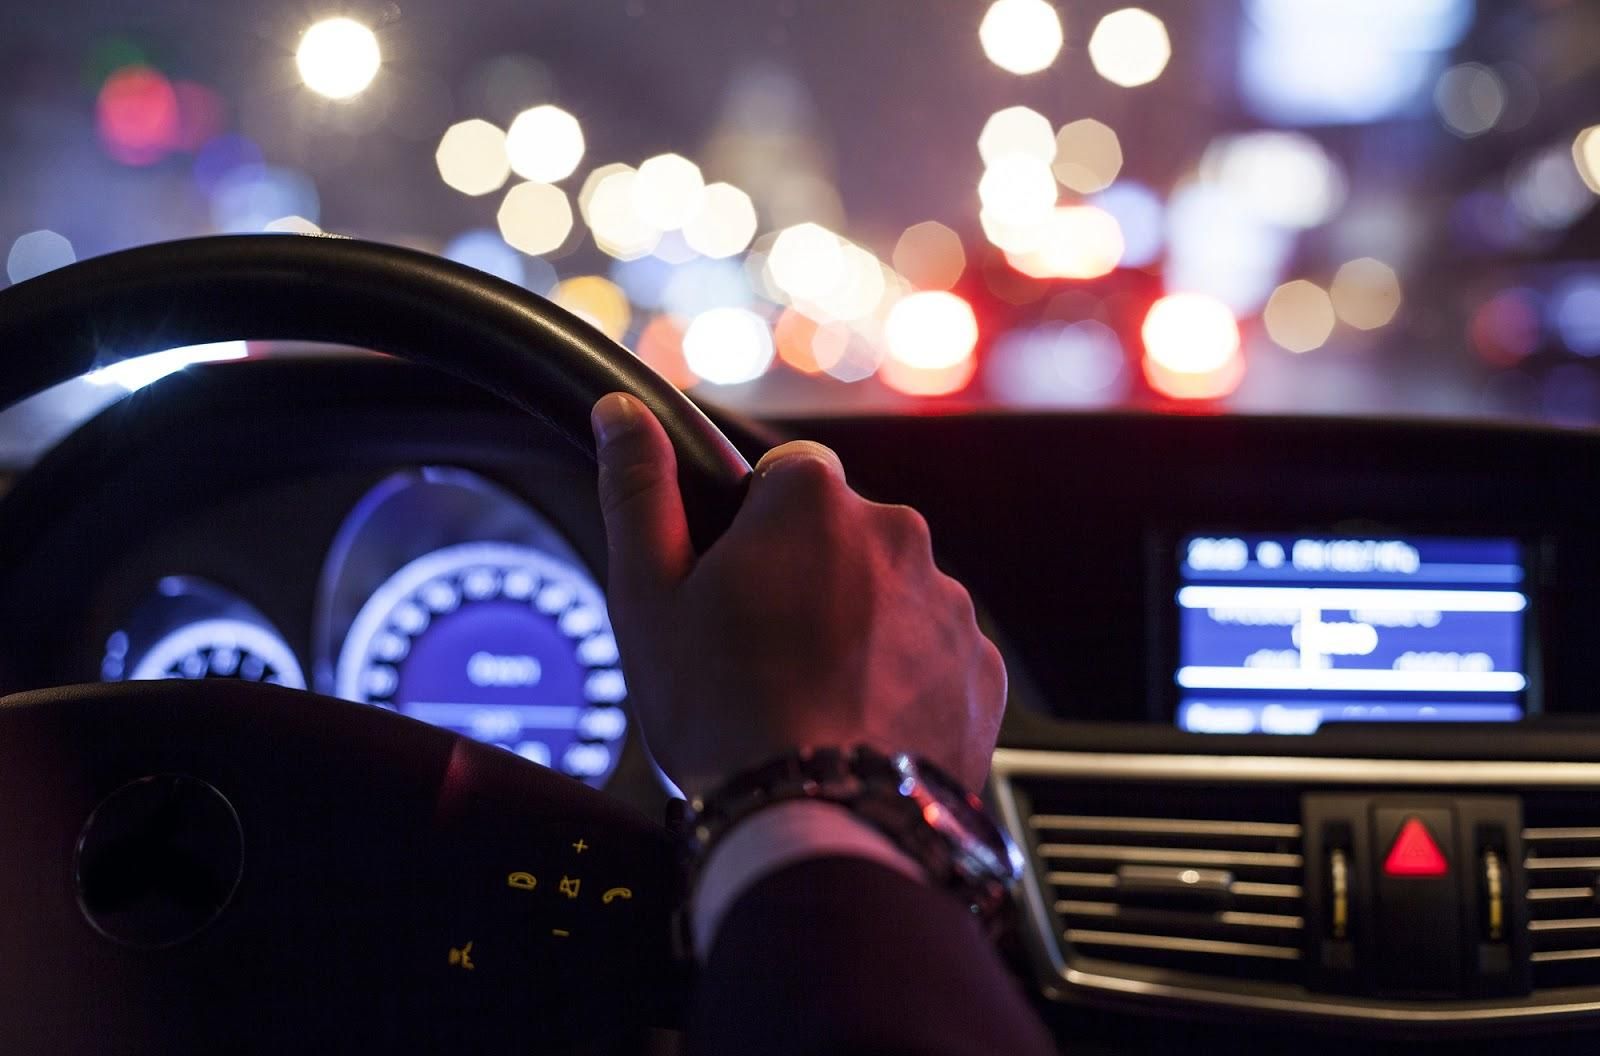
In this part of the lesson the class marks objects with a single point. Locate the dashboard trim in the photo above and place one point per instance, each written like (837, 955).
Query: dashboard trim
(1064, 981)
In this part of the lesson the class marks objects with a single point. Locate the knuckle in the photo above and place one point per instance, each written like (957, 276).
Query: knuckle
(908, 527)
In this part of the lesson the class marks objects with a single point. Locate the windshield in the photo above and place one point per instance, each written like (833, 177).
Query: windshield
(1374, 206)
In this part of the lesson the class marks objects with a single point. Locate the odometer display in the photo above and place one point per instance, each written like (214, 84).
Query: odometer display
(498, 642)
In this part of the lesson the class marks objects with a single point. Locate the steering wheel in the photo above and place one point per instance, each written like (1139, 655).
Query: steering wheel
(225, 867)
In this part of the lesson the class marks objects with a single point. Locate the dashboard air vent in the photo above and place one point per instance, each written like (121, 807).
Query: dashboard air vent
(1562, 863)
(1168, 883)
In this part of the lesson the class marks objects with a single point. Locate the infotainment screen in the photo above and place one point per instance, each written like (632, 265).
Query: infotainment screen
(1285, 633)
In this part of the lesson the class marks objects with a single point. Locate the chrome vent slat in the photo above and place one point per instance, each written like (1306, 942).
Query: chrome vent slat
(1561, 862)
(1180, 826)
(1565, 924)
(1553, 956)
(1179, 944)
(1223, 918)
(1095, 852)
(1555, 894)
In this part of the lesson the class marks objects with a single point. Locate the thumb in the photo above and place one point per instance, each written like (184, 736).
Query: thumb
(646, 532)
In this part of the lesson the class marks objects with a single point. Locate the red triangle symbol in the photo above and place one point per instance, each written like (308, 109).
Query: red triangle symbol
(1414, 853)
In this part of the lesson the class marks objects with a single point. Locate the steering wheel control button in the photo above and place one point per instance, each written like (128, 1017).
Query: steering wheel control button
(461, 957)
(1415, 853)
(522, 881)
(158, 860)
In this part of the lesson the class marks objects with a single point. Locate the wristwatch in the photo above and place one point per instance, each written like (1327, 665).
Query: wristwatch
(922, 810)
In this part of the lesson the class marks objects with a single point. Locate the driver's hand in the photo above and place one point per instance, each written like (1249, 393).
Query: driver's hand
(818, 619)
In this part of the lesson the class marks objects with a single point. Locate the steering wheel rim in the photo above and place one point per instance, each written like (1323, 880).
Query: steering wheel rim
(401, 302)
(449, 892)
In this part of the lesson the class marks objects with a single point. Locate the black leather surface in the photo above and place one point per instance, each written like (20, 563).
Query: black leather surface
(405, 303)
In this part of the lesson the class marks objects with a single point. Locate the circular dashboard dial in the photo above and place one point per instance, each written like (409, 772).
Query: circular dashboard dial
(498, 642)
(221, 648)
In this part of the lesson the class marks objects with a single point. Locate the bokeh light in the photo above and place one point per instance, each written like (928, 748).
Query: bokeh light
(794, 335)
(1017, 190)
(723, 224)
(1299, 316)
(728, 346)
(660, 346)
(856, 291)
(931, 330)
(544, 144)
(927, 381)
(485, 250)
(704, 284)
(338, 58)
(1021, 36)
(1076, 242)
(1016, 130)
(1191, 345)
(221, 156)
(1547, 191)
(535, 218)
(472, 157)
(292, 225)
(597, 300)
(202, 115)
(930, 256)
(667, 191)
(1505, 329)
(1285, 178)
(607, 203)
(1365, 293)
(1130, 47)
(1088, 156)
(1586, 157)
(1470, 98)
(250, 197)
(1218, 246)
(136, 114)
(806, 261)
(1141, 217)
(36, 253)
(1575, 311)
(1057, 365)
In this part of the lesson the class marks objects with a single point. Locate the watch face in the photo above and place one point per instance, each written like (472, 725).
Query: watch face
(981, 844)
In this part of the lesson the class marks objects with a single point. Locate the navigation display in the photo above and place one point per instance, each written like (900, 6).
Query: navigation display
(1285, 633)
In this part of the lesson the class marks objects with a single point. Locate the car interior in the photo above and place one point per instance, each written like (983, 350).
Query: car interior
(314, 731)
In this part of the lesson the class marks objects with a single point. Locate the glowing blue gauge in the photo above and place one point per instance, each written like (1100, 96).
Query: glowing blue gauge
(498, 642)
(220, 648)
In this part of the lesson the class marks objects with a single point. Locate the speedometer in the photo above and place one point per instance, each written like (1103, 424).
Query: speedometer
(499, 642)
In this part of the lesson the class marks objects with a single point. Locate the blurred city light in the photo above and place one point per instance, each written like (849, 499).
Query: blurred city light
(1299, 316)
(544, 144)
(1017, 189)
(806, 261)
(1218, 246)
(849, 354)
(927, 381)
(1575, 311)
(472, 157)
(1547, 191)
(1021, 36)
(292, 225)
(1191, 345)
(535, 218)
(202, 115)
(1016, 130)
(136, 114)
(660, 346)
(1505, 329)
(250, 197)
(1088, 156)
(793, 335)
(1586, 156)
(1130, 47)
(221, 156)
(1141, 217)
(598, 301)
(485, 250)
(929, 255)
(724, 223)
(701, 285)
(1285, 178)
(36, 253)
(931, 330)
(667, 191)
(728, 346)
(338, 58)
(1365, 293)
(618, 228)
(1075, 242)
(857, 290)
(136, 372)
(1057, 365)
(1342, 61)
(1470, 98)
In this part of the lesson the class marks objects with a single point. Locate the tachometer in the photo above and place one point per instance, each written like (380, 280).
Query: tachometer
(188, 627)
(500, 642)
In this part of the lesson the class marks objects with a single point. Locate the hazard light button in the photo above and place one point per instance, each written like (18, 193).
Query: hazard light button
(1415, 852)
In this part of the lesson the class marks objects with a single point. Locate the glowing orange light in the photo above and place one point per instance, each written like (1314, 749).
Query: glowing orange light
(661, 347)
(921, 381)
(137, 115)
(794, 335)
(1191, 344)
(931, 330)
(1076, 242)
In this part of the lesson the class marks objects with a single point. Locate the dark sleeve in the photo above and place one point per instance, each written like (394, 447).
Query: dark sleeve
(845, 956)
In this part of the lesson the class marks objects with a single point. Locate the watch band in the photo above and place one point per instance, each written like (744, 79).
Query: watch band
(916, 805)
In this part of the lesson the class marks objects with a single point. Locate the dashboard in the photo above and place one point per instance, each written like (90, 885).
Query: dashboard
(1244, 654)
